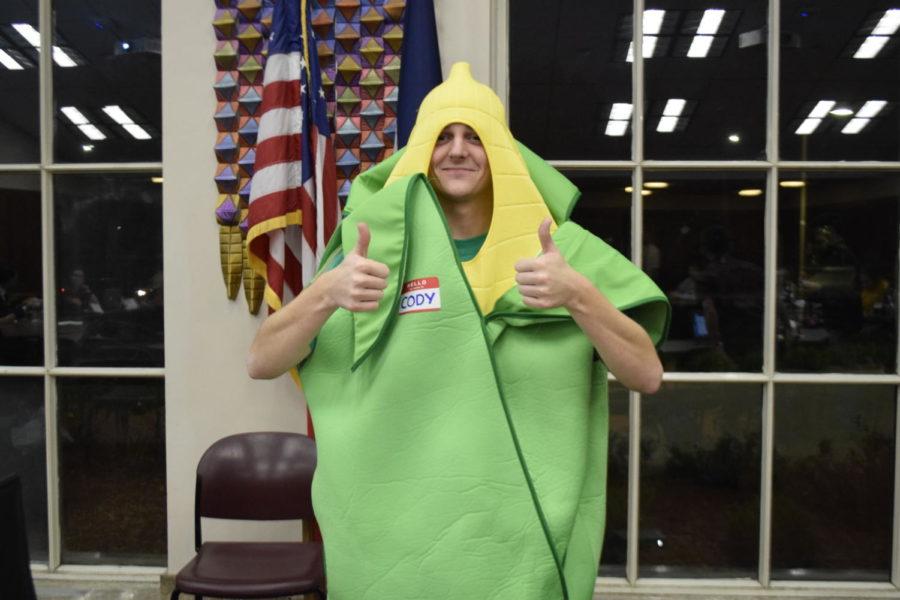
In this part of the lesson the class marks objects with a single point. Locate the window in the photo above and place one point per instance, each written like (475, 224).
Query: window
(759, 187)
(81, 337)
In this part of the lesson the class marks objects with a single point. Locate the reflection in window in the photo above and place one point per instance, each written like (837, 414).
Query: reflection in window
(840, 81)
(109, 270)
(837, 280)
(112, 471)
(707, 230)
(108, 103)
(604, 208)
(700, 470)
(706, 81)
(833, 482)
(18, 84)
(615, 541)
(22, 452)
(571, 55)
(21, 317)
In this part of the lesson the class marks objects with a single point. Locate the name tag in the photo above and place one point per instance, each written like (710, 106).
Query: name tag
(420, 295)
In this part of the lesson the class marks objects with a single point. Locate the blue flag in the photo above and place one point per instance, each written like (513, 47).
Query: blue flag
(420, 64)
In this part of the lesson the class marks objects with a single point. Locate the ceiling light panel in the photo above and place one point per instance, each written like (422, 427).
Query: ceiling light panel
(9, 62)
(653, 20)
(871, 108)
(74, 115)
(871, 46)
(711, 21)
(855, 125)
(821, 109)
(808, 126)
(700, 46)
(620, 111)
(667, 124)
(674, 107)
(889, 23)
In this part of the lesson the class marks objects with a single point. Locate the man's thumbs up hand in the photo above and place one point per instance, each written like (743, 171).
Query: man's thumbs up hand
(358, 283)
(547, 281)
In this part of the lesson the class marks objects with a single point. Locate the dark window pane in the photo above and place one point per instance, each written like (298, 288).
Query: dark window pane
(705, 80)
(21, 315)
(709, 240)
(109, 270)
(605, 206)
(700, 470)
(836, 104)
(615, 541)
(568, 76)
(106, 81)
(837, 249)
(833, 482)
(112, 471)
(22, 451)
(19, 138)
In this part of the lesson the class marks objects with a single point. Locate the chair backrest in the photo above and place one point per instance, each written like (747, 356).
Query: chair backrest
(15, 567)
(257, 476)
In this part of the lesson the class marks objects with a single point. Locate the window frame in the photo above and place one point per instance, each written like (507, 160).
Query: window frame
(763, 585)
(50, 372)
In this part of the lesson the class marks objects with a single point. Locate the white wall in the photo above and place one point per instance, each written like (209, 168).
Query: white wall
(208, 394)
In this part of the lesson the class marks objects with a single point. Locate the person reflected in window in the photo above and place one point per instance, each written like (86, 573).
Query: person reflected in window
(76, 298)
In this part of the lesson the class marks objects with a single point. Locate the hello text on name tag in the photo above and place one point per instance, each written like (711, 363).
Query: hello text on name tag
(420, 295)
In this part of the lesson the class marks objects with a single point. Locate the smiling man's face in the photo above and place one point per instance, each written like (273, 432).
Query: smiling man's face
(459, 164)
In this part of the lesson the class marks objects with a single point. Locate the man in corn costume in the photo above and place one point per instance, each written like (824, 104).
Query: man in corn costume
(462, 433)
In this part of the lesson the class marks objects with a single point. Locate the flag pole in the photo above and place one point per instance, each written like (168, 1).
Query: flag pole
(305, 39)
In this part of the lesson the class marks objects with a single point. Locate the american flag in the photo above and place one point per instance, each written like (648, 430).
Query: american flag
(294, 207)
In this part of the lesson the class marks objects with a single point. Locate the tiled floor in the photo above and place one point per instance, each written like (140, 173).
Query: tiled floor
(76, 590)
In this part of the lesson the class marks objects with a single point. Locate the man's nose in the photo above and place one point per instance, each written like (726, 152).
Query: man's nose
(458, 146)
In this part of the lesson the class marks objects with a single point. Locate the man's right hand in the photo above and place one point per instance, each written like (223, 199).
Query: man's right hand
(358, 283)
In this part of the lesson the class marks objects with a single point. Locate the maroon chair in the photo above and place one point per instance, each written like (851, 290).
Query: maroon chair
(259, 476)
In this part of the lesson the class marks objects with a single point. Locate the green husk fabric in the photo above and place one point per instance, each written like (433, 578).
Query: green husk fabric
(463, 455)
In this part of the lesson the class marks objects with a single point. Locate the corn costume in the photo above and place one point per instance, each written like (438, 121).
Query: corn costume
(462, 435)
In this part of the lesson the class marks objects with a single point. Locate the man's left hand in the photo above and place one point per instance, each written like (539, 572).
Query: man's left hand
(547, 281)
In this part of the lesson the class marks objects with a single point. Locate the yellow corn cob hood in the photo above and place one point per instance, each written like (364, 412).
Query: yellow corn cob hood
(518, 206)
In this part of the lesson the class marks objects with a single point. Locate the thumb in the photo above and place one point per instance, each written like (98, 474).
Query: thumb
(547, 245)
(362, 242)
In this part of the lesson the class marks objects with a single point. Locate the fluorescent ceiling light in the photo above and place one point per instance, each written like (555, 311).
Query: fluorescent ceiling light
(700, 46)
(62, 59)
(92, 132)
(31, 35)
(855, 125)
(157, 179)
(28, 32)
(616, 128)
(870, 109)
(9, 62)
(653, 19)
(136, 131)
(74, 115)
(889, 23)
(821, 109)
(646, 192)
(734, 138)
(649, 47)
(710, 22)
(118, 115)
(841, 111)
(620, 111)
(750, 192)
(656, 185)
(808, 126)
(871, 46)
(674, 106)
(87, 147)
(788, 183)
(667, 124)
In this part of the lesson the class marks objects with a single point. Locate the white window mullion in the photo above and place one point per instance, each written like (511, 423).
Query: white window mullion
(45, 95)
(632, 537)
